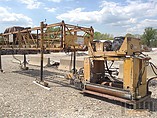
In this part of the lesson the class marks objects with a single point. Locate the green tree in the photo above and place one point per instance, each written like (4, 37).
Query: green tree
(105, 36)
(51, 32)
(1, 39)
(149, 36)
(97, 35)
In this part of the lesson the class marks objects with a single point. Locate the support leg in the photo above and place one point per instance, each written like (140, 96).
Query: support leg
(24, 62)
(41, 80)
(41, 67)
(1, 70)
(74, 63)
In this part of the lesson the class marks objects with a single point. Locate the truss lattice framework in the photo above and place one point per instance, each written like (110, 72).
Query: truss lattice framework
(55, 37)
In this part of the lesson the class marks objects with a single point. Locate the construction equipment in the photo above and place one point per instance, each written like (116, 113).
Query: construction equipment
(53, 37)
(98, 78)
(56, 37)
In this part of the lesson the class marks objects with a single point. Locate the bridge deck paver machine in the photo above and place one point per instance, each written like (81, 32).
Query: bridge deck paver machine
(98, 78)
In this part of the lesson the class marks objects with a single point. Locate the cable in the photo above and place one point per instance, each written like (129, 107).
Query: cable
(142, 72)
(111, 64)
(153, 67)
(143, 54)
(140, 76)
(110, 73)
(15, 57)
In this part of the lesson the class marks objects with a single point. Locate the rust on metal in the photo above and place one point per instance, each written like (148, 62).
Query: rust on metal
(56, 37)
(111, 97)
(108, 90)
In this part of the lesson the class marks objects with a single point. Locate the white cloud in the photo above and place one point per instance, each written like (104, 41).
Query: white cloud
(111, 12)
(31, 4)
(4, 0)
(70, 0)
(50, 9)
(56, 0)
(78, 15)
(115, 14)
(139, 28)
(8, 19)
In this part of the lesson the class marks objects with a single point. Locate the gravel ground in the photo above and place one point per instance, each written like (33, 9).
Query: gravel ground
(21, 98)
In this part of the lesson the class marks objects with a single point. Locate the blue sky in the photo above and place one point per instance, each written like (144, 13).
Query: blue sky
(117, 17)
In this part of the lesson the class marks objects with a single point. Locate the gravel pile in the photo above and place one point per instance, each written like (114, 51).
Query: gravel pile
(21, 98)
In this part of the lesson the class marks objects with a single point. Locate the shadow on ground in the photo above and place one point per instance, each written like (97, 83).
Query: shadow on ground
(48, 76)
(36, 73)
(51, 77)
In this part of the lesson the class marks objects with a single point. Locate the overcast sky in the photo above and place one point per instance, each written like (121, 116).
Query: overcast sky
(117, 17)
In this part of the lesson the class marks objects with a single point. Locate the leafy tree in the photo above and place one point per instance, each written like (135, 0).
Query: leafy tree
(105, 36)
(1, 39)
(108, 36)
(97, 35)
(149, 36)
(50, 30)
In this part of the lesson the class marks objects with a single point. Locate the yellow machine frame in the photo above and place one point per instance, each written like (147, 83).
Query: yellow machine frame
(134, 85)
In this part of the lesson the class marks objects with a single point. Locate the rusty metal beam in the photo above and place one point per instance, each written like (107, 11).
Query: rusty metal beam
(54, 40)
(72, 26)
(109, 90)
(131, 102)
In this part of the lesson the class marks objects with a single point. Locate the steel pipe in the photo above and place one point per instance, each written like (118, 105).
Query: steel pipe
(109, 90)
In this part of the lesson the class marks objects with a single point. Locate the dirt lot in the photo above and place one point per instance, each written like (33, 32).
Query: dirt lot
(21, 98)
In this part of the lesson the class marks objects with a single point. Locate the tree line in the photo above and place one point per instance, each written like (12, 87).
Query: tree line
(149, 36)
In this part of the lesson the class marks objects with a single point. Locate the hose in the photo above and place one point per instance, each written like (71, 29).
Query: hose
(15, 57)
(108, 70)
(153, 67)
(111, 64)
